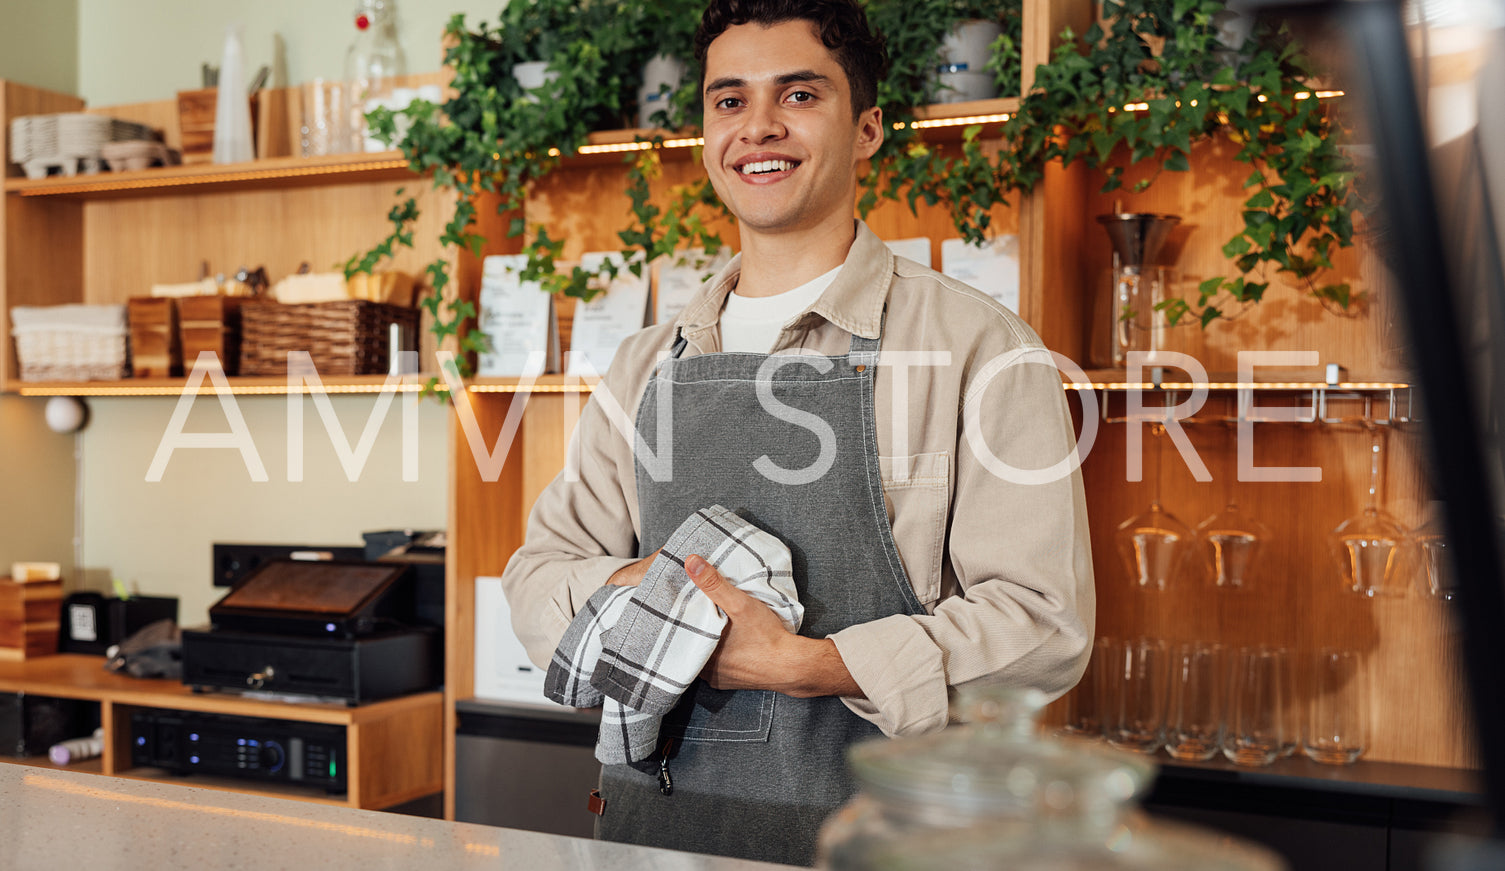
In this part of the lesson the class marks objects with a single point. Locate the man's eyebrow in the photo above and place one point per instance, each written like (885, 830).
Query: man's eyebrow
(806, 76)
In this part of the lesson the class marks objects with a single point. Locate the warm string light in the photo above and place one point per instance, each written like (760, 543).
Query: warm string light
(170, 178)
(618, 147)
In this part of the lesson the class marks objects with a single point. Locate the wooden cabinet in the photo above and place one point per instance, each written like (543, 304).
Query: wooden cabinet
(393, 748)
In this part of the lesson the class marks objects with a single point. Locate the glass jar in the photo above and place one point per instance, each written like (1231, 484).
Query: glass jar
(374, 60)
(993, 793)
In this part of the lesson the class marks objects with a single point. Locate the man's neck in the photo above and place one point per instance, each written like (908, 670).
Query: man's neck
(773, 264)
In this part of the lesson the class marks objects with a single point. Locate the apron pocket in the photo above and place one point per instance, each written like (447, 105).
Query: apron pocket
(916, 491)
(706, 714)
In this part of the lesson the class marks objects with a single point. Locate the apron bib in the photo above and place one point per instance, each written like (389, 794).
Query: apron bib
(755, 773)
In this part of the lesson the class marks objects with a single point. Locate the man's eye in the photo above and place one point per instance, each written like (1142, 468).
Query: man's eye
(801, 97)
(728, 103)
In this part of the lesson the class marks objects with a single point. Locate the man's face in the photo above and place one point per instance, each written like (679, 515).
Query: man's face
(781, 147)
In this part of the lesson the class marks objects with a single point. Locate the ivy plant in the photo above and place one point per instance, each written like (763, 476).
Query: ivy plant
(1259, 95)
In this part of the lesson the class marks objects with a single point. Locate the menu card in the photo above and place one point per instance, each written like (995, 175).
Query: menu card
(992, 267)
(519, 317)
(680, 276)
(601, 324)
(916, 249)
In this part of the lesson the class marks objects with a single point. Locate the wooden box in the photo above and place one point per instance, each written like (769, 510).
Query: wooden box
(210, 323)
(154, 337)
(196, 123)
(29, 618)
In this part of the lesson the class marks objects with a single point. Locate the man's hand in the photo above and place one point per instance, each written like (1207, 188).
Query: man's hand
(756, 651)
(632, 575)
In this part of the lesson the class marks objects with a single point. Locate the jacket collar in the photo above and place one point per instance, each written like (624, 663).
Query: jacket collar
(854, 301)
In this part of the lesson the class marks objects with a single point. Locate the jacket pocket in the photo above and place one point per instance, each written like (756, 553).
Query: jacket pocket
(916, 491)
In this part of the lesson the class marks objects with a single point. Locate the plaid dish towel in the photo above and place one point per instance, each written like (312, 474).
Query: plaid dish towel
(642, 650)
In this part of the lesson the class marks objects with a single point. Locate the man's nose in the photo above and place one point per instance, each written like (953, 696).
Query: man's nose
(763, 123)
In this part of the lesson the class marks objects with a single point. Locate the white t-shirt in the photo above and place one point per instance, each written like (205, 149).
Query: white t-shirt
(751, 324)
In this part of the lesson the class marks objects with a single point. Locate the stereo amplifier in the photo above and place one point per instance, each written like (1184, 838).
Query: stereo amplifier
(254, 748)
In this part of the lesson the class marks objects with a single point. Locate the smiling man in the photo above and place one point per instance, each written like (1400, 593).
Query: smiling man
(904, 435)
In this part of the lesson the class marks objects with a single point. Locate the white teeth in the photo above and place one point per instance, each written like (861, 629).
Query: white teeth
(766, 166)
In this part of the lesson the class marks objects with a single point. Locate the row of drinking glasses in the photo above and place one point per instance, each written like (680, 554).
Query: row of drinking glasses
(1371, 551)
(1197, 699)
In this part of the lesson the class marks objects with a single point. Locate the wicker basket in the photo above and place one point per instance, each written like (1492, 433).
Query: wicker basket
(91, 348)
(344, 338)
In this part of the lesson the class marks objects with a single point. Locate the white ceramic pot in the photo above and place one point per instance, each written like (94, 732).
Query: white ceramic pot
(531, 75)
(962, 73)
(662, 76)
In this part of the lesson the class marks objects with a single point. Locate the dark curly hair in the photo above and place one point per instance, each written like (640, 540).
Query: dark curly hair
(841, 25)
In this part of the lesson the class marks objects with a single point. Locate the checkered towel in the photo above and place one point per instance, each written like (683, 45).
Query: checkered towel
(635, 650)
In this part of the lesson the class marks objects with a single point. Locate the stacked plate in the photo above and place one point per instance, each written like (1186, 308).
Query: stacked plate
(68, 141)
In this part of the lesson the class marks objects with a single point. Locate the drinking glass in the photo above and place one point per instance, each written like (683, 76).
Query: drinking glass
(1153, 543)
(1337, 727)
(1230, 542)
(1087, 701)
(1436, 576)
(1256, 715)
(1194, 723)
(1136, 720)
(326, 124)
(1366, 547)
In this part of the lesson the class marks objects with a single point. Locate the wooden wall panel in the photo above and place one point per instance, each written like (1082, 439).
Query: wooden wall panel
(133, 243)
(1297, 601)
(1209, 199)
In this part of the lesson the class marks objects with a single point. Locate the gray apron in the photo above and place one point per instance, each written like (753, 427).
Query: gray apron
(753, 773)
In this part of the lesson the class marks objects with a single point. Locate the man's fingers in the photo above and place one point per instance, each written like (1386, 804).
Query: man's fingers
(726, 596)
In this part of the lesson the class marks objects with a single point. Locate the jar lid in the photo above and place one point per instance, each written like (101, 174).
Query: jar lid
(998, 765)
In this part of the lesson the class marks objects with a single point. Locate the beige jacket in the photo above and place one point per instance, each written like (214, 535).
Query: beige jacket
(1003, 567)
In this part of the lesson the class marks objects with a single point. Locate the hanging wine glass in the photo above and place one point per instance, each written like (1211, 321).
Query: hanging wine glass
(1436, 577)
(1367, 547)
(1230, 541)
(1153, 543)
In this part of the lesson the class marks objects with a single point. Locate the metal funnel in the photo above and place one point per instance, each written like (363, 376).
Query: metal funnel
(1137, 236)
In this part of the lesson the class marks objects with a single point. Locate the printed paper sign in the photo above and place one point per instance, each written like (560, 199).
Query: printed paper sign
(681, 277)
(601, 324)
(992, 268)
(519, 318)
(916, 249)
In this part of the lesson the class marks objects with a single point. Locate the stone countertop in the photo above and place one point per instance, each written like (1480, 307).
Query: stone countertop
(63, 819)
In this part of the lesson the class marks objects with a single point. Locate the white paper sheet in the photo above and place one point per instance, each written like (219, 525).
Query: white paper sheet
(992, 268)
(519, 318)
(503, 671)
(680, 277)
(601, 324)
(916, 249)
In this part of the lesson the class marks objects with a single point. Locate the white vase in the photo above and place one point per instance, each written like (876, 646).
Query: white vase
(662, 76)
(532, 75)
(962, 74)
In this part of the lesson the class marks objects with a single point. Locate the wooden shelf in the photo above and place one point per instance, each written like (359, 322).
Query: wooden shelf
(392, 746)
(86, 766)
(278, 172)
(273, 385)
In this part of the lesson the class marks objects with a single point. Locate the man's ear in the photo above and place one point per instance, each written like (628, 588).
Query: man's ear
(869, 132)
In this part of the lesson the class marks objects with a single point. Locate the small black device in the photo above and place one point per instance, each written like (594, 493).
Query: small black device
(234, 561)
(254, 748)
(355, 670)
(93, 623)
(30, 724)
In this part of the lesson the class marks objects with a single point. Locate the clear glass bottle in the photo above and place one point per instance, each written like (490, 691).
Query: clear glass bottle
(995, 794)
(371, 64)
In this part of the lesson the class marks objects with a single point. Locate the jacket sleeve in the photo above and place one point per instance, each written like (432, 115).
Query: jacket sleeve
(579, 532)
(1017, 563)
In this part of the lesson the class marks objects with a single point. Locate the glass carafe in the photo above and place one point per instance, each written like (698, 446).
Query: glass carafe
(374, 61)
(993, 793)
(1125, 318)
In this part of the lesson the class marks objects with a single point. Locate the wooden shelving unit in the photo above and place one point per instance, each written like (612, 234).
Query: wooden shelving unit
(410, 725)
(62, 243)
